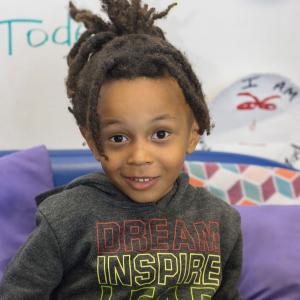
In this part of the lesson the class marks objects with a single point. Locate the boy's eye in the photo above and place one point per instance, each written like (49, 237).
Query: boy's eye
(118, 138)
(161, 134)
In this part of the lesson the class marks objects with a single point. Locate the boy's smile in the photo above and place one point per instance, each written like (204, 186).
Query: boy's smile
(146, 129)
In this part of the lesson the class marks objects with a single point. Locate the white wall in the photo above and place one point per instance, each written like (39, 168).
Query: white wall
(224, 40)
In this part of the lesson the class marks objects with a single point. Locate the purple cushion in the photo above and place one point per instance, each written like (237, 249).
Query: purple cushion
(271, 267)
(23, 175)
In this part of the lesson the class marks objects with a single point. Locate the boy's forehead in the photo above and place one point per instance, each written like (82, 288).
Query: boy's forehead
(154, 93)
(142, 101)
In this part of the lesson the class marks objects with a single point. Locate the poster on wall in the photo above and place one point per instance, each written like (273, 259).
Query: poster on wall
(258, 115)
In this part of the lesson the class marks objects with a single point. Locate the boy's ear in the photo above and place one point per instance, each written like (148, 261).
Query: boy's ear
(86, 134)
(194, 138)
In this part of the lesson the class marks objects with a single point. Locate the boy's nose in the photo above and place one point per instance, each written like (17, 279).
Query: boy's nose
(139, 154)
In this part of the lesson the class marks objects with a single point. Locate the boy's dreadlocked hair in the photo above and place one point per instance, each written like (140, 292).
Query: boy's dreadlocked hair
(127, 46)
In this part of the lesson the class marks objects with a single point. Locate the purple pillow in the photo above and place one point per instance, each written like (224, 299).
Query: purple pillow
(23, 175)
(271, 266)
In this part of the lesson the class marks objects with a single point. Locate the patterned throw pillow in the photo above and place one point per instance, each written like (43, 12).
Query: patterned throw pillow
(243, 184)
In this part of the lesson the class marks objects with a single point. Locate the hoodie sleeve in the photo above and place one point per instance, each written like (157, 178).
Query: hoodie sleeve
(231, 274)
(37, 268)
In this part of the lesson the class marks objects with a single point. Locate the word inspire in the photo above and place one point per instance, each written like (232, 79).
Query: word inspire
(37, 37)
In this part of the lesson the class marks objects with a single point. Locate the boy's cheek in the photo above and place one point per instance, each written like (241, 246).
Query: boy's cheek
(110, 163)
(106, 162)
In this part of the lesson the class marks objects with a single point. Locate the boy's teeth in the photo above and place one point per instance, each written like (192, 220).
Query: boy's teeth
(145, 179)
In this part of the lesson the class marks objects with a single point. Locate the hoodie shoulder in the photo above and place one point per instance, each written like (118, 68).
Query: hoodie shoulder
(214, 205)
(89, 180)
(75, 195)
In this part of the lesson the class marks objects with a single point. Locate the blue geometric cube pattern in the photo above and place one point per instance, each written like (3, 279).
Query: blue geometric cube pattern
(246, 184)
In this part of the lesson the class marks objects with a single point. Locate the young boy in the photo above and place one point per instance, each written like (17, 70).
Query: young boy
(140, 231)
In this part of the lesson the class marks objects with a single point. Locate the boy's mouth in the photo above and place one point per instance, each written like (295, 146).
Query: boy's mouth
(140, 179)
(141, 183)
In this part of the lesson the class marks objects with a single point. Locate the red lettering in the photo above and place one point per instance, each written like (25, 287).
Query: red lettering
(109, 234)
(208, 236)
(134, 233)
(159, 234)
(182, 237)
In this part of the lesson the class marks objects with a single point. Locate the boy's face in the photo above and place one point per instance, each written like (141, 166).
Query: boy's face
(146, 130)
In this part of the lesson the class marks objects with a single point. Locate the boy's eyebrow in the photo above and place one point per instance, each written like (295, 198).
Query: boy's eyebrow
(163, 117)
(108, 122)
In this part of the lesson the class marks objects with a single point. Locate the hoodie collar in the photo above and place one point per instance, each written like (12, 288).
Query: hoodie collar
(101, 182)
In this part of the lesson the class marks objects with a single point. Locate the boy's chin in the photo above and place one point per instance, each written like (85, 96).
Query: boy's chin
(147, 197)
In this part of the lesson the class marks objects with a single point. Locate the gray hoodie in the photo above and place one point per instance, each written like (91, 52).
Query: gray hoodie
(93, 242)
